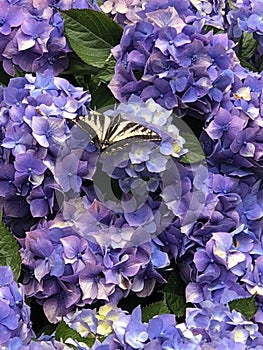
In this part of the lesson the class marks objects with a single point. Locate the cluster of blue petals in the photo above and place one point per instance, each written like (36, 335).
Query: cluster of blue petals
(32, 36)
(80, 247)
(209, 326)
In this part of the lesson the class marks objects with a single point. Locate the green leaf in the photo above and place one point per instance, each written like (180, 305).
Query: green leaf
(248, 65)
(249, 46)
(4, 77)
(259, 64)
(9, 251)
(246, 306)
(77, 66)
(174, 293)
(215, 29)
(195, 153)
(93, 79)
(101, 97)
(176, 303)
(154, 309)
(92, 35)
(231, 5)
(63, 332)
(105, 74)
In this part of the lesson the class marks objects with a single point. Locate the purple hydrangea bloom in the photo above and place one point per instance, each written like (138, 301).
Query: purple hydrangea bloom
(253, 278)
(160, 91)
(32, 140)
(145, 281)
(68, 4)
(11, 16)
(243, 143)
(14, 316)
(7, 178)
(172, 49)
(120, 271)
(136, 332)
(32, 36)
(68, 172)
(77, 252)
(225, 124)
(29, 167)
(254, 22)
(48, 130)
(214, 321)
(17, 138)
(41, 199)
(94, 286)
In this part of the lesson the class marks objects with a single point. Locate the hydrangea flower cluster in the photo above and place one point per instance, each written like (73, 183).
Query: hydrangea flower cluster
(209, 326)
(64, 269)
(32, 35)
(230, 240)
(15, 324)
(123, 11)
(168, 57)
(130, 11)
(15, 314)
(245, 18)
(42, 344)
(96, 227)
(90, 251)
(74, 4)
(224, 246)
(30, 143)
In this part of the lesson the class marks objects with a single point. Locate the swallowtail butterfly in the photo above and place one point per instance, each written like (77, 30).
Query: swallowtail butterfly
(105, 131)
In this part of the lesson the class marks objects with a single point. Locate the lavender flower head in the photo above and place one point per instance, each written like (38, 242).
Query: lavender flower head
(15, 314)
(175, 67)
(31, 140)
(206, 327)
(32, 36)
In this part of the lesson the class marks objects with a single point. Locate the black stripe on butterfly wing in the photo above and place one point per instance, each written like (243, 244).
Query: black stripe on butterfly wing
(106, 125)
(100, 124)
(113, 126)
(127, 129)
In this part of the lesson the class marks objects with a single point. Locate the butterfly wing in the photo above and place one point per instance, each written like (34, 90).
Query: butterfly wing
(95, 125)
(123, 130)
(106, 131)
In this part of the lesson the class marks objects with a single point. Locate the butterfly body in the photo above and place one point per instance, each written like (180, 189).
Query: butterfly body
(105, 131)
